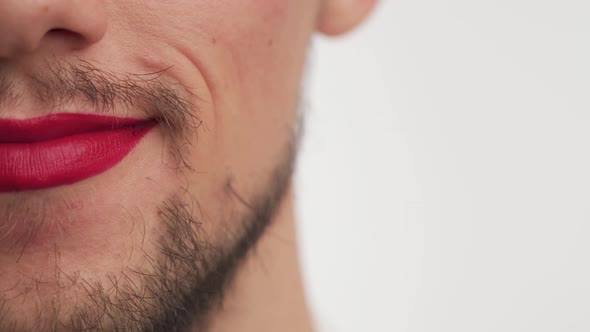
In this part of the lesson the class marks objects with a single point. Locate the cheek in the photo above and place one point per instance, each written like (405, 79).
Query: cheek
(250, 50)
(260, 54)
(250, 54)
(260, 64)
(253, 59)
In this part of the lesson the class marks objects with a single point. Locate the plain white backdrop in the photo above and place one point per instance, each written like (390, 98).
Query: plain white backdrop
(444, 183)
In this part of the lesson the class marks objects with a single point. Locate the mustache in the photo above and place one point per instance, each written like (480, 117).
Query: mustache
(61, 82)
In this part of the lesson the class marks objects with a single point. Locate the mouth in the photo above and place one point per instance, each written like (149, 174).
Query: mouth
(63, 149)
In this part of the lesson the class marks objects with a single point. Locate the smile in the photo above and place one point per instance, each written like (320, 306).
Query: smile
(62, 149)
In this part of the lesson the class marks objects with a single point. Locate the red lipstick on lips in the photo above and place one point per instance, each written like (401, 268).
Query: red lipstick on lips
(62, 149)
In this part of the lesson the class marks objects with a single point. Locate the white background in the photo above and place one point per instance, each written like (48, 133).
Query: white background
(444, 183)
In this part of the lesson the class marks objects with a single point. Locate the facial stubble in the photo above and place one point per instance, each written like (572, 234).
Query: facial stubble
(189, 272)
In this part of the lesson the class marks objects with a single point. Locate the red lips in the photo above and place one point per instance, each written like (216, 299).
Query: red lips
(62, 149)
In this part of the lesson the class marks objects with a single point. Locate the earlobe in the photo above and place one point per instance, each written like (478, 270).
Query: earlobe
(340, 16)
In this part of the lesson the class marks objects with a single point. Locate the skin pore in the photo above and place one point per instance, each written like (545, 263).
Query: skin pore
(194, 230)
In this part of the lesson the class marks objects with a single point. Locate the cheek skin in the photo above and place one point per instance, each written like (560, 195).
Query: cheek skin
(255, 74)
(246, 53)
(243, 58)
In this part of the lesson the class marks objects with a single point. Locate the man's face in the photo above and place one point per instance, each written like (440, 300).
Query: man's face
(144, 147)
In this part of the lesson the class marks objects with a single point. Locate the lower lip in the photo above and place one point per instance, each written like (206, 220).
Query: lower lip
(66, 160)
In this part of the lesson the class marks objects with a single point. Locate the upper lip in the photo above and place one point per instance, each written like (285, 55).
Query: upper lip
(63, 149)
(61, 125)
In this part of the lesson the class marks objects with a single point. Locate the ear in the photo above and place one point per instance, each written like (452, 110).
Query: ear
(340, 16)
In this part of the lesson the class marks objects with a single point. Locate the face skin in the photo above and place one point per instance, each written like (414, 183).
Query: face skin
(159, 241)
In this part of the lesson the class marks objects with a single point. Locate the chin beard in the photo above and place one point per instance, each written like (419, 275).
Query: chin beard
(185, 280)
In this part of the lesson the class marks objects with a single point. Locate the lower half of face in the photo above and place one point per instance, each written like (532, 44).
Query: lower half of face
(142, 231)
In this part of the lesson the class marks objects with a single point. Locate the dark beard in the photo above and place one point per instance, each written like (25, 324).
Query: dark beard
(192, 272)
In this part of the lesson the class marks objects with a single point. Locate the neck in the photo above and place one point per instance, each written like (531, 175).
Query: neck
(267, 294)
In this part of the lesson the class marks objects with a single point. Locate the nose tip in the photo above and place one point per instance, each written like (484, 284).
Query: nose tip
(26, 24)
